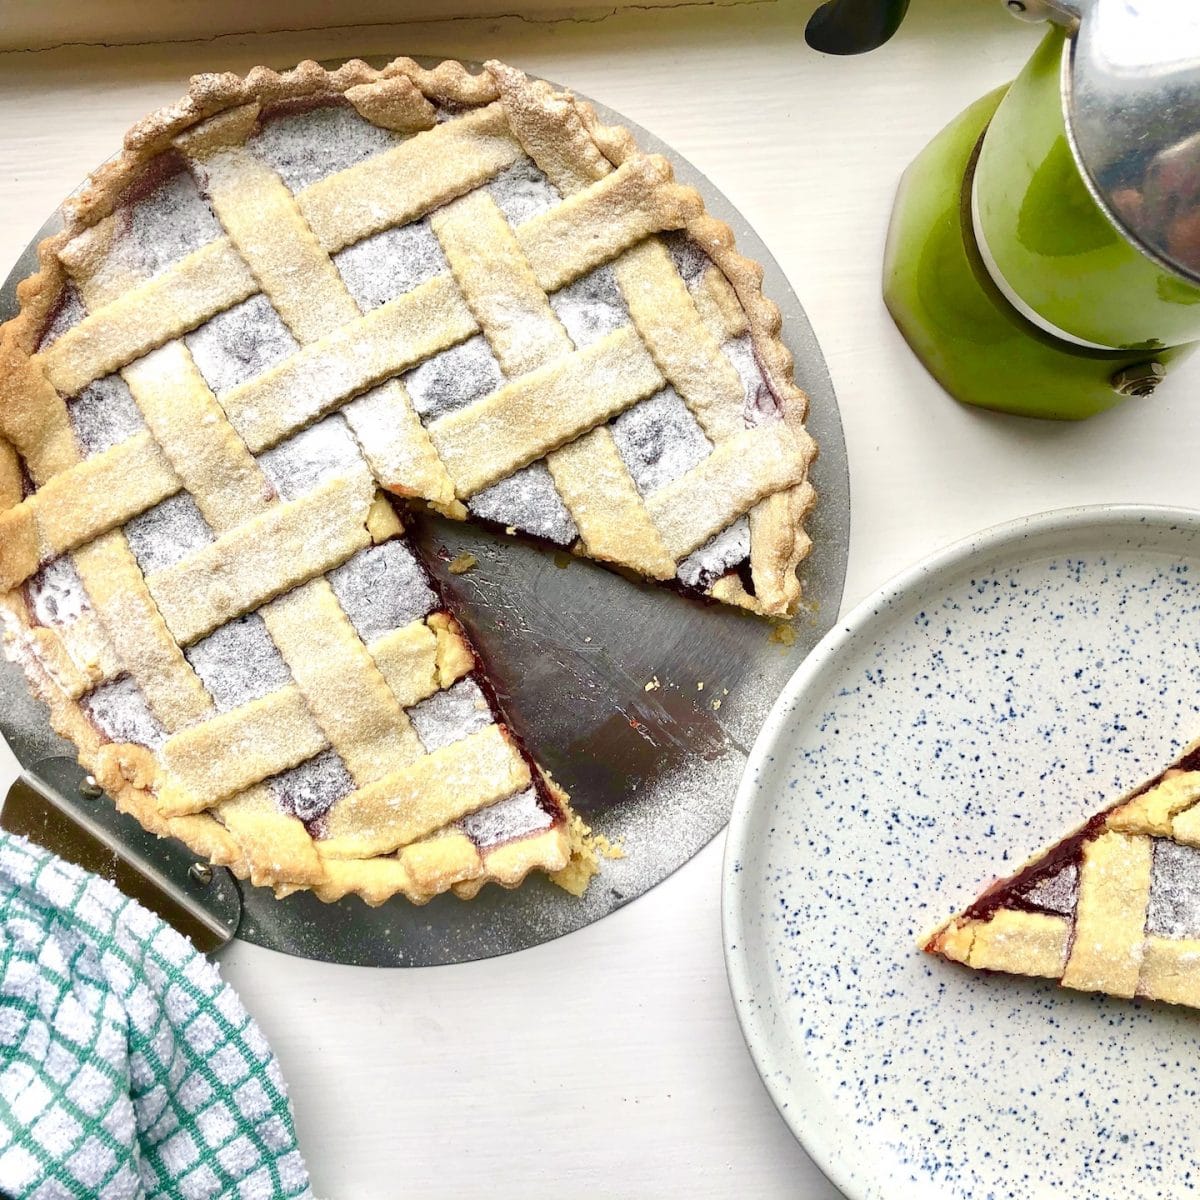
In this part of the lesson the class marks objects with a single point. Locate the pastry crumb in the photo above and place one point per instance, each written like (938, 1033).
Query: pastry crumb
(653, 685)
(462, 564)
(587, 848)
(382, 520)
(783, 634)
(700, 686)
(609, 850)
(716, 704)
(510, 530)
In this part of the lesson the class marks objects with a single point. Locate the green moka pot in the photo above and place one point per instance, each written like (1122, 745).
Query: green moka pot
(1044, 251)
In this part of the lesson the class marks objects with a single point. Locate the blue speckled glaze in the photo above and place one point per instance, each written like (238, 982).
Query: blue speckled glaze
(961, 719)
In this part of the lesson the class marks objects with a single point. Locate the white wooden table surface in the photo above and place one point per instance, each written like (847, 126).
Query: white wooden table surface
(611, 1060)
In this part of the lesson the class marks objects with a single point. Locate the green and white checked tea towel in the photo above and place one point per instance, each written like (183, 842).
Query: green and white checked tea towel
(128, 1069)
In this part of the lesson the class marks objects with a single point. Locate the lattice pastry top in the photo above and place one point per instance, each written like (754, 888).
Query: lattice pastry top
(289, 292)
(1114, 907)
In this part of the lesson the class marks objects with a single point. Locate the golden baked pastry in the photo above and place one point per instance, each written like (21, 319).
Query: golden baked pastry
(296, 306)
(1113, 907)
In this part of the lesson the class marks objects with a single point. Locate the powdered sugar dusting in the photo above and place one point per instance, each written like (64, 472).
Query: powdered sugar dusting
(381, 588)
(69, 313)
(119, 711)
(240, 344)
(522, 192)
(104, 414)
(690, 260)
(306, 145)
(591, 306)
(238, 663)
(506, 820)
(659, 439)
(451, 715)
(760, 404)
(167, 533)
(452, 379)
(309, 790)
(704, 566)
(385, 265)
(1056, 893)
(164, 226)
(528, 501)
(56, 594)
(315, 455)
(1174, 891)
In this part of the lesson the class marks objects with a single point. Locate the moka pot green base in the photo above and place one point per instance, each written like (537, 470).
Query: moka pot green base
(959, 324)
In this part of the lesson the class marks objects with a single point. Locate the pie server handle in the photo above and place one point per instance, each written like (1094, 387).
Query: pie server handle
(201, 902)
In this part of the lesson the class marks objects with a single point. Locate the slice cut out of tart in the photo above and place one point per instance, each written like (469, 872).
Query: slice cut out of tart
(1113, 907)
(294, 308)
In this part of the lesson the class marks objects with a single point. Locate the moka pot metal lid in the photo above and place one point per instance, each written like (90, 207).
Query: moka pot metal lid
(1131, 97)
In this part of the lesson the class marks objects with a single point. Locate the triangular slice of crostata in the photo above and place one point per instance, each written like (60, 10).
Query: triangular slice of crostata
(1113, 907)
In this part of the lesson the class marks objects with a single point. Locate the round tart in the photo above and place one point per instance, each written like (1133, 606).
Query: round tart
(295, 309)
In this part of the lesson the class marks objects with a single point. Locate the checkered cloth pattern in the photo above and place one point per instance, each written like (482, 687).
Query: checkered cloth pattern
(128, 1069)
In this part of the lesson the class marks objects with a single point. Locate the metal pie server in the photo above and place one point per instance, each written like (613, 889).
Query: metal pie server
(57, 805)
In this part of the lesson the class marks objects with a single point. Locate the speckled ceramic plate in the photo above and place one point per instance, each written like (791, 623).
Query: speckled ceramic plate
(954, 723)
